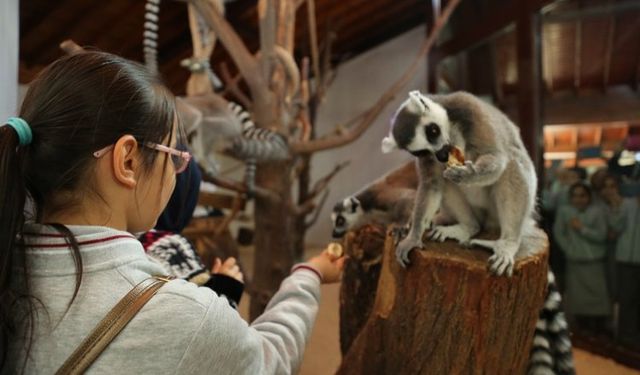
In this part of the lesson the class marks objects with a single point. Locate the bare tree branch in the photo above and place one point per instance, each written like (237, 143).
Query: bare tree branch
(268, 30)
(70, 47)
(303, 113)
(303, 209)
(322, 183)
(231, 86)
(328, 74)
(238, 186)
(330, 142)
(313, 36)
(316, 213)
(320, 186)
(244, 60)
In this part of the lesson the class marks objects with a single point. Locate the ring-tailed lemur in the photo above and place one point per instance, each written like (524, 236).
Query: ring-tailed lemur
(150, 36)
(255, 145)
(387, 200)
(221, 126)
(494, 189)
(150, 43)
(551, 351)
(229, 129)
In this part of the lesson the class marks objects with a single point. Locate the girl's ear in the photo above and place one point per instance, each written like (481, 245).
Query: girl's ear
(126, 161)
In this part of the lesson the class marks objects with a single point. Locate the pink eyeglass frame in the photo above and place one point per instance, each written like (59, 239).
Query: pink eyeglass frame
(185, 156)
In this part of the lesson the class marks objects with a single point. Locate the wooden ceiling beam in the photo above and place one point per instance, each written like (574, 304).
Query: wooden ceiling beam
(608, 53)
(598, 11)
(498, 93)
(353, 14)
(121, 36)
(547, 59)
(34, 12)
(636, 81)
(93, 24)
(577, 56)
(528, 47)
(359, 45)
(360, 33)
(492, 25)
(48, 31)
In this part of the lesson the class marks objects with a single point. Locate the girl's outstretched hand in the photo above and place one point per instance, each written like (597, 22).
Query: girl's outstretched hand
(330, 265)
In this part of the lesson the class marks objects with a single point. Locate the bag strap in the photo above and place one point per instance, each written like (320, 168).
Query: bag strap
(107, 330)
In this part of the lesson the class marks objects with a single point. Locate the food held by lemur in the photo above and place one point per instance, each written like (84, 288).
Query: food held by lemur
(388, 199)
(335, 249)
(456, 157)
(494, 188)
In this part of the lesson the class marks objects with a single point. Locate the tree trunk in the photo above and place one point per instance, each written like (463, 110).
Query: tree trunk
(273, 256)
(360, 280)
(446, 314)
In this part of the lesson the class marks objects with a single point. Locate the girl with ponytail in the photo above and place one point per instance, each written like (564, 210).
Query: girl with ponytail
(89, 161)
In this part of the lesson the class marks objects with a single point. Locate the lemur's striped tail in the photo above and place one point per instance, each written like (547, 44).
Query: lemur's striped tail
(551, 351)
(150, 36)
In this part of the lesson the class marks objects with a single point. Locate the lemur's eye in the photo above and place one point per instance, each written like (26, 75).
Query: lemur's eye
(433, 132)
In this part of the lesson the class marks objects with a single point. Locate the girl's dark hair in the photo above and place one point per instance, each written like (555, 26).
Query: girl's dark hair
(580, 185)
(77, 105)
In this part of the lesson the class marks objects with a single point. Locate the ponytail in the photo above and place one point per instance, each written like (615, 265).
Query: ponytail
(13, 194)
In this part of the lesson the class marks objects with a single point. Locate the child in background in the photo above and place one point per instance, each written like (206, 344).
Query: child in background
(165, 245)
(624, 220)
(580, 230)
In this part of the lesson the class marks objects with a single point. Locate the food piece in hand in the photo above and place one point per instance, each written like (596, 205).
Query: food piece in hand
(456, 158)
(335, 249)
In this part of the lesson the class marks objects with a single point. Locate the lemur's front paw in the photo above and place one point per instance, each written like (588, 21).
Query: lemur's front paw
(399, 232)
(458, 173)
(502, 260)
(404, 248)
(456, 232)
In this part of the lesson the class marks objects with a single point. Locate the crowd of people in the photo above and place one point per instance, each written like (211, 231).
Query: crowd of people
(594, 223)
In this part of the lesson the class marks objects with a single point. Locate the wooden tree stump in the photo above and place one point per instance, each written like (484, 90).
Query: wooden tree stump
(444, 314)
(360, 280)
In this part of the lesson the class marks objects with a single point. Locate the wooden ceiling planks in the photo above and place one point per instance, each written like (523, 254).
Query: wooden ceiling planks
(608, 52)
(626, 48)
(37, 38)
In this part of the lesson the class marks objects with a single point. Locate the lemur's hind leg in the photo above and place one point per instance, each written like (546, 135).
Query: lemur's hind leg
(513, 206)
(456, 206)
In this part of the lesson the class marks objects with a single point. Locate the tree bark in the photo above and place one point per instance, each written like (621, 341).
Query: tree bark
(444, 314)
(360, 280)
(273, 241)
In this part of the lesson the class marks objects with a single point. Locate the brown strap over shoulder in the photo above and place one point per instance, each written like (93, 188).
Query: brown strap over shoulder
(107, 330)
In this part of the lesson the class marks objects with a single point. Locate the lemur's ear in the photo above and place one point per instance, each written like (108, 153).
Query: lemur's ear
(355, 203)
(388, 144)
(416, 103)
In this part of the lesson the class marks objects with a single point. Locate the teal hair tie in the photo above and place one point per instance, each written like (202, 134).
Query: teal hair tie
(22, 128)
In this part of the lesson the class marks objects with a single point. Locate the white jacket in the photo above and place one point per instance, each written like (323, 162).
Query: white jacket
(183, 329)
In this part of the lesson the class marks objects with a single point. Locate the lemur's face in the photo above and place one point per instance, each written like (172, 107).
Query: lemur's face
(345, 214)
(420, 126)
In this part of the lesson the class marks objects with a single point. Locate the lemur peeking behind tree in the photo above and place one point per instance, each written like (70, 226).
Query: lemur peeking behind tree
(389, 199)
(494, 189)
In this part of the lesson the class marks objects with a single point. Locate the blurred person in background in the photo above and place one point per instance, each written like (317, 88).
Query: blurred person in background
(580, 230)
(624, 220)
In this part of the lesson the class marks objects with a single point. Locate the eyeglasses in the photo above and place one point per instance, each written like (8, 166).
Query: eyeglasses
(180, 159)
